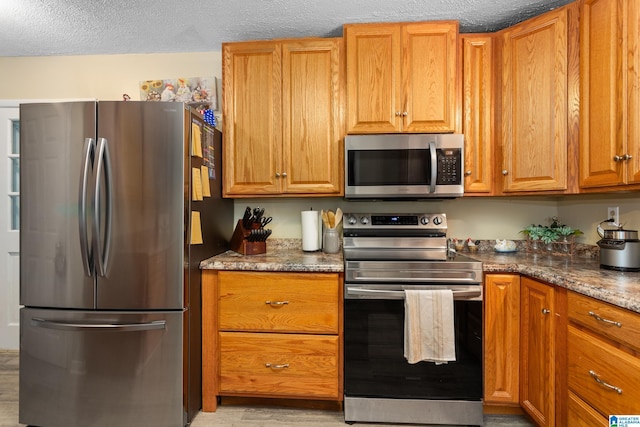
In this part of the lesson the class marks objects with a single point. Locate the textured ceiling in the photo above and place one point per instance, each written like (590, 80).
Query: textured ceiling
(77, 27)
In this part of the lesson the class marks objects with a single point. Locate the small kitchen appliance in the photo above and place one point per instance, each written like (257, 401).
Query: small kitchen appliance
(619, 248)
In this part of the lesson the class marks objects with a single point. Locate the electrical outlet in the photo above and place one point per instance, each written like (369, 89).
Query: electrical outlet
(614, 214)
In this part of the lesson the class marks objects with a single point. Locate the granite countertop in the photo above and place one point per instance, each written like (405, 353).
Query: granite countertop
(282, 255)
(578, 273)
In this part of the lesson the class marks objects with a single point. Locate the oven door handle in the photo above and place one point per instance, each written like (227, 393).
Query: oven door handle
(355, 291)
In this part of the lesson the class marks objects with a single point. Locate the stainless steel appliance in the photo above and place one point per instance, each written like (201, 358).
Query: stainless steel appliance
(404, 166)
(386, 254)
(619, 248)
(110, 331)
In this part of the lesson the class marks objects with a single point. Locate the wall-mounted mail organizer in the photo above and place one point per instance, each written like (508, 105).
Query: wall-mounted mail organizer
(251, 241)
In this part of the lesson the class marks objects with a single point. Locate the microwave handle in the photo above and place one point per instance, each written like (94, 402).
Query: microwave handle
(434, 167)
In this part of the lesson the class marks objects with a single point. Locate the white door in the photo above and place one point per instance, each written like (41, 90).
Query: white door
(9, 227)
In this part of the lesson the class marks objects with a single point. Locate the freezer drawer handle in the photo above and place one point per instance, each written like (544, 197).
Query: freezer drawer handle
(126, 327)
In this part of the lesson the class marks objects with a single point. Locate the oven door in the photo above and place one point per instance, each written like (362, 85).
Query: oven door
(374, 362)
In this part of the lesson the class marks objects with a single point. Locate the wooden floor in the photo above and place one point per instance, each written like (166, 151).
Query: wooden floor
(225, 416)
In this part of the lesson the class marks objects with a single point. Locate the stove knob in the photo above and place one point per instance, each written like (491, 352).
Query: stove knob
(437, 220)
(352, 220)
(364, 220)
(424, 220)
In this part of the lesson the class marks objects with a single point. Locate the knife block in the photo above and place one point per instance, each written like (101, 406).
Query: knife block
(240, 244)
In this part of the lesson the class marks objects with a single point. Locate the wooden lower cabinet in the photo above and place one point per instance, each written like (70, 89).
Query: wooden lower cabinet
(271, 335)
(580, 414)
(603, 359)
(501, 339)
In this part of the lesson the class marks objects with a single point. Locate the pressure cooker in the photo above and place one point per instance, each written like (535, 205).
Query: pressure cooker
(619, 248)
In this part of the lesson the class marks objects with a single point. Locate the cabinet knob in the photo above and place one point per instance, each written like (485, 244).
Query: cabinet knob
(284, 174)
(467, 173)
(398, 113)
(277, 174)
(617, 158)
(627, 157)
(546, 311)
(405, 114)
(505, 172)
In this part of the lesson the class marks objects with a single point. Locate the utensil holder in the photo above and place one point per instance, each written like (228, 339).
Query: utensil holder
(240, 244)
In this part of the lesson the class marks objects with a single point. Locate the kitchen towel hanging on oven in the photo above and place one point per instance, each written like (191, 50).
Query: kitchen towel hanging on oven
(429, 326)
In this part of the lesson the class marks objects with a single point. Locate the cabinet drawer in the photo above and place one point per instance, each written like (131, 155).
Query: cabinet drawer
(588, 357)
(301, 365)
(580, 414)
(279, 302)
(625, 330)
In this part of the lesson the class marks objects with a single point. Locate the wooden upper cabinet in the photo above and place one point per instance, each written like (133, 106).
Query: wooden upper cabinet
(282, 107)
(402, 77)
(610, 93)
(477, 112)
(534, 89)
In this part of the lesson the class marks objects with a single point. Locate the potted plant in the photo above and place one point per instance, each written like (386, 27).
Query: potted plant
(550, 234)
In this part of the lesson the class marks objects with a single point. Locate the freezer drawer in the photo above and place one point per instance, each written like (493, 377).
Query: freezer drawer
(80, 368)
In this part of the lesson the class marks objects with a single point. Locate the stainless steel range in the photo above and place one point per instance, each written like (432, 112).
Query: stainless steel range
(386, 254)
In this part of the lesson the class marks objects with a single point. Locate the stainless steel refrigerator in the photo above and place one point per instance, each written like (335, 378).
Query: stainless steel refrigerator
(110, 331)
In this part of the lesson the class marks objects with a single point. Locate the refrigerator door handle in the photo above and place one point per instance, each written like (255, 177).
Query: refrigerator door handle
(102, 249)
(70, 326)
(85, 249)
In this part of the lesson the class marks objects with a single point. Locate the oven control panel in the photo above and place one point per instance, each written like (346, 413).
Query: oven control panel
(409, 221)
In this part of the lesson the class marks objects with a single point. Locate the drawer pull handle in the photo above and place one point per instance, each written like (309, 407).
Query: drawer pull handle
(601, 319)
(609, 386)
(276, 303)
(283, 366)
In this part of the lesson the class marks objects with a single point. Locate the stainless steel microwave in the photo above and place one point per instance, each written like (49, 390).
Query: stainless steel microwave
(404, 166)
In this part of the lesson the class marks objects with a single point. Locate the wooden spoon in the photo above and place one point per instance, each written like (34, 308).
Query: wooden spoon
(338, 216)
(325, 218)
(332, 219)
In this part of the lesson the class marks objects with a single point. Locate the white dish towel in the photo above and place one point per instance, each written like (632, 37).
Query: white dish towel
(428, 326)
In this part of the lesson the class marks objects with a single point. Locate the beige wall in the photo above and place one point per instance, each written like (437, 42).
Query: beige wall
(104, 77)
(107, 77)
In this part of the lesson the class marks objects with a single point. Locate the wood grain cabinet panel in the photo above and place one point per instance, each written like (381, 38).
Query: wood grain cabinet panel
(292, 302)
(501, 339)
(610, 94)
(534, 89)
(283, 117)
(580, 414)
(477, 112)
(279, 365)
(538, 351)
(402, 77)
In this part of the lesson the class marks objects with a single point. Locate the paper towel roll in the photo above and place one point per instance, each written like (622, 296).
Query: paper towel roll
(310, 230)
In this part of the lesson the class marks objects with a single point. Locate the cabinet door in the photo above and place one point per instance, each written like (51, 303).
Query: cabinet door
(501, 338)
(602, 55)
(252, 118)
(373, 78)
(534, 104)
(633, 90)
(429, 80)
(537, 350)
(477, 112)
(312, 89)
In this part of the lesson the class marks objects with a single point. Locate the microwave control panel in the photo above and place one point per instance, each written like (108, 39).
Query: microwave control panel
(449, 166)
